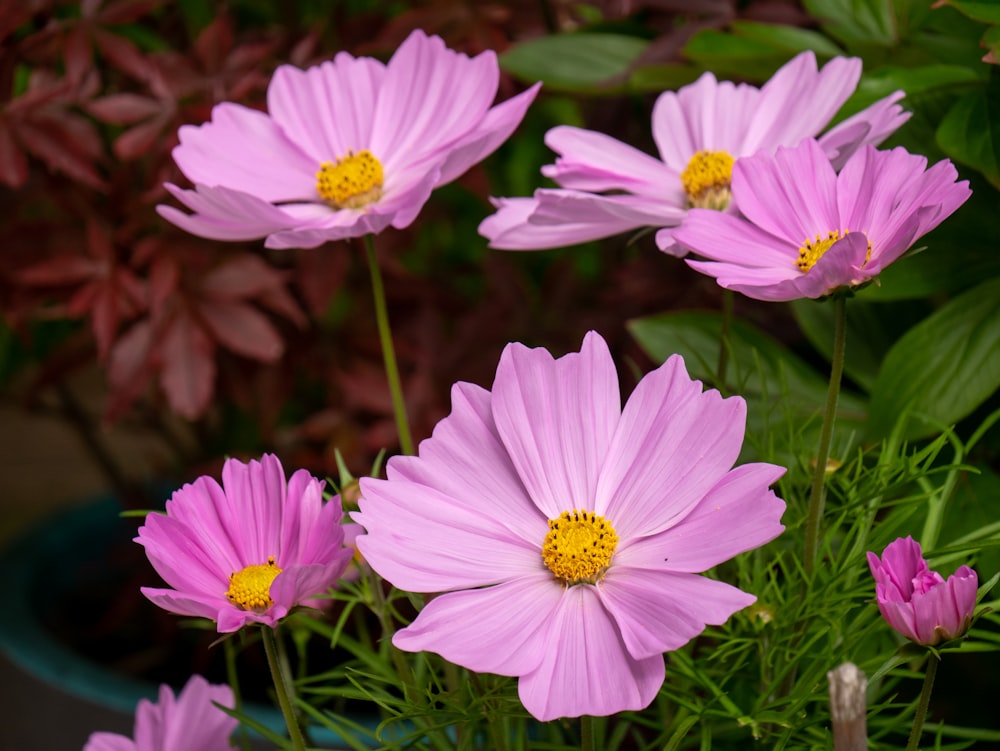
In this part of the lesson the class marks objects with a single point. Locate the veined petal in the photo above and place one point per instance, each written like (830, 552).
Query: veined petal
(739, 513)
(505, 629)
(430, 97)
(723, 237)
(587, 669)
(671, 445)
(871, 126)
(109, 742)
(245, 150)
(597, 162)
(798, 101)
(659, 611)
(224, 214)
(707, 115)
(465, 458)
(328, 109)
(422, 540)
(495, 128)
(186, 560)
(556, 419)
(197, 606)
(261, 487)
(792, 195)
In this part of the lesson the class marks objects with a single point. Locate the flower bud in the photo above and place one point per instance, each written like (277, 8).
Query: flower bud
(918, 602)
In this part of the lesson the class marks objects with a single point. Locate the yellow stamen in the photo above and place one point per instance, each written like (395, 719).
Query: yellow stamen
(250, 588)
(351, 182)
(812, 250)
(579, 546)
(706, 180)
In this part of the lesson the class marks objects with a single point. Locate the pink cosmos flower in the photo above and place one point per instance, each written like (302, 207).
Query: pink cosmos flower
(809, 231)
(246, 552)
(191, 722)
(916, 601)
(608, 187)
(347, 147)
(567, 533)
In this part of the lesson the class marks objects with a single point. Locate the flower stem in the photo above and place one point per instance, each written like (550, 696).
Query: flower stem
(388, 352)
(586, 733)
(232, 677)
(925, 698)
(727, 323)
(282, 688)
(817, 495)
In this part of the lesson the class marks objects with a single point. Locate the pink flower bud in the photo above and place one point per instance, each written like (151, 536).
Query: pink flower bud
(918, 602)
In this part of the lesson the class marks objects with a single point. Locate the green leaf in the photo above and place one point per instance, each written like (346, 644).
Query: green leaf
(970, 132)
(788, 38)
(584, 62)
(986, 12)
(857, 22)
(662, 77)
(942, 368)
(781, 390)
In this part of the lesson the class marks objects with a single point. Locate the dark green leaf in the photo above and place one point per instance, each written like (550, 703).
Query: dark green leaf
(857, 22)
(584, 62)
(986, 12)
(942, 368)
(970, 132)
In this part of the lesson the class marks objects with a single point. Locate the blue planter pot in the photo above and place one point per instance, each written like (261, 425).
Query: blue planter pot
(52, 696)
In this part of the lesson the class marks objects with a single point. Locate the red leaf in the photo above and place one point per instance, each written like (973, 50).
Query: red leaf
(13, 165)
(137, 141)
(124, 109)
(243, 330)
(163, 279)
(280, 301)
(128, 11)
(58, 270)
(188, 376)
(54, 144)
(105, 313)
(77, 56)
(123, 54)
(130, 366)
(214, 43)
(244, 276)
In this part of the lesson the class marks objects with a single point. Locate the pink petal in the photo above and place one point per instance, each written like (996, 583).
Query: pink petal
(502, 629)
(244, 150)
(707, 115)
(109, 742)
(723, 237)
(257, 489)
(739, 513)
(465, 459)
(798, 102)
(430, 97)
(224, 214)
(658, 611)
(198, 606)
(556, 419)
(671, 445)
(871, 126)
(194, 722)
(328, 109)
(190, 558)
(422, 540)
(792, 195)
(586, 669)
(593, 161)
(495, 128)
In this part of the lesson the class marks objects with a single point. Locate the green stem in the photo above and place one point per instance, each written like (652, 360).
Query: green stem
(925, 698)
(388, 352)
(817, 495)
(232, 677)
(282, 688)
(586, 733)
(727, 322)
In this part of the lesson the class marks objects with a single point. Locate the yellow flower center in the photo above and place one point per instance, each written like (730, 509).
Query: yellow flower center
(250, 588)
(579, 546)
(351, 182)
(812, 250)
(706, 180)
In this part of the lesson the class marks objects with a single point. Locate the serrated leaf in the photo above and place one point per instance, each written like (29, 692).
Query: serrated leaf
(583, 62)
(856, 22)
(942, 368)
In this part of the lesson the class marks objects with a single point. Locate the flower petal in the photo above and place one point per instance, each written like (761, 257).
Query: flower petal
(556, 419)
(739, 513)
(328, 109)
(871, 126)
(422, 540)
(586, 669)
(245, 150)
(660, 611)
(465, 459)
(502, 629)
(224, 214)
(597, 162)
(671, 445)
